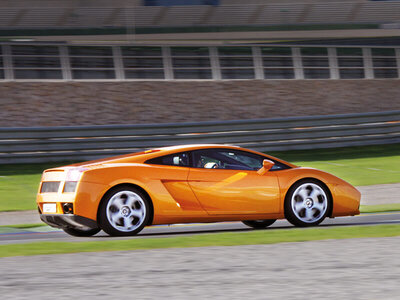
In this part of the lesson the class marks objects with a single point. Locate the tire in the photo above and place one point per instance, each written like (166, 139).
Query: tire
(259, 224)
(307, 203)
(124, 211)
(80, 232)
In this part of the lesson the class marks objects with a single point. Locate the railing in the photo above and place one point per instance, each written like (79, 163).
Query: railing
(203, 62)
(76, 143)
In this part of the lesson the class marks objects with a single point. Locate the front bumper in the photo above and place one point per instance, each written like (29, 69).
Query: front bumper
(68, 221)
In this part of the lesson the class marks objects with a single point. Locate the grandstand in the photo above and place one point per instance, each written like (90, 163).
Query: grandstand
(120, 62)
(61, 14)
(60, 59)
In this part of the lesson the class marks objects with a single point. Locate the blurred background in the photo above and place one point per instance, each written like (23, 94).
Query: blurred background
(132, 62)
(314, 82)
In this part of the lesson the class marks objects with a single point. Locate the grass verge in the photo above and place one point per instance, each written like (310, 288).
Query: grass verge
(19, 184)
(4, 229)
(364, 165)
(380, 208)
(24, 226)
(261, 237)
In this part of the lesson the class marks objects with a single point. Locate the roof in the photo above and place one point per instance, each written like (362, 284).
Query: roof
(191, 146)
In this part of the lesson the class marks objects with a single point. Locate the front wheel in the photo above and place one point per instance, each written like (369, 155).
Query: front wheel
(80, 232)
(259, 224)
(124, 211)
(307, 203)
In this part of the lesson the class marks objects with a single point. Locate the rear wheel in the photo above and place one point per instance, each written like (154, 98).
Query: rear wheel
(307, 203)
(80, 232)
(259, 224)
(124, 211)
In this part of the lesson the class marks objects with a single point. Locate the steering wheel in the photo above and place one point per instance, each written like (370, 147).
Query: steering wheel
(211, 165)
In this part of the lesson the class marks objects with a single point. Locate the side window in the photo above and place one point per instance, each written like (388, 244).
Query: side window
(254, 162)
(226, 159)
(206, 159)
(176, 159)
(230, 159)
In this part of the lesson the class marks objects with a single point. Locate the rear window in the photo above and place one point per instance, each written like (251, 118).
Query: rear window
(176, 159)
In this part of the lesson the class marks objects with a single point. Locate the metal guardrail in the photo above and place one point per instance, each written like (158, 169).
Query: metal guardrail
(47, 144)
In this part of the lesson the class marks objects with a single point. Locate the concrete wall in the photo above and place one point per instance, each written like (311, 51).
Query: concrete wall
(87, 103)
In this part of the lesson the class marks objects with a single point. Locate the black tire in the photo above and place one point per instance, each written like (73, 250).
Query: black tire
(124, 211)
(259, 224)
(307, 209)
(80, 232)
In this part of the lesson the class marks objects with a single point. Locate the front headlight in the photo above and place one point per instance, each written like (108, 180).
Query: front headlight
(75, 174)
(72, 179)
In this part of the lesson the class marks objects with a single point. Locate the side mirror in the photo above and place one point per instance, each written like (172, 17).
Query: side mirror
(267, 165)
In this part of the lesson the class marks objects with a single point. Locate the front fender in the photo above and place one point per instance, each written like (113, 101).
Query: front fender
(345, 197)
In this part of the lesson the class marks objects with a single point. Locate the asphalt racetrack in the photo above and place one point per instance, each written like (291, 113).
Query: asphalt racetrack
(365, 269)
(53, 234)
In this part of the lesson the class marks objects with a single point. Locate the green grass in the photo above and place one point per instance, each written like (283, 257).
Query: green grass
(366, 165)
(24, 226)
(21, 227)
(218, 239)
(19, 184)
(358, 165)
(380, 208)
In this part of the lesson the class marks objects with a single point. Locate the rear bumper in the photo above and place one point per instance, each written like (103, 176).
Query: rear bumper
(68, 221)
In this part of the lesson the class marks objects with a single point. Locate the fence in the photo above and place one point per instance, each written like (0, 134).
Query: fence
(48, 144)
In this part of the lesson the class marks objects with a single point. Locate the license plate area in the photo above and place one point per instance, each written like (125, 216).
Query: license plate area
(49, 208)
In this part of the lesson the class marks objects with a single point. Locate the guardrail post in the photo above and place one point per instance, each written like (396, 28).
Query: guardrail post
(368, 66)
(398, 61)
(65, 63)
(215, 67)
(118, 64)
(167, 60)
(297, 63)
(8, 66)
(333, 63)
(258, 63)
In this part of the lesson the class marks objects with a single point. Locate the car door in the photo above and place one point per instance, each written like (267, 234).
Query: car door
(172, 172)
(226, 181)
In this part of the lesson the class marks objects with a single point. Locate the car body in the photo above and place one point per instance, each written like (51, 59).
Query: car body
(187, 184)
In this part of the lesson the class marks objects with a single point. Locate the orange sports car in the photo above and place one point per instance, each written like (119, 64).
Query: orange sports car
(186, 184)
